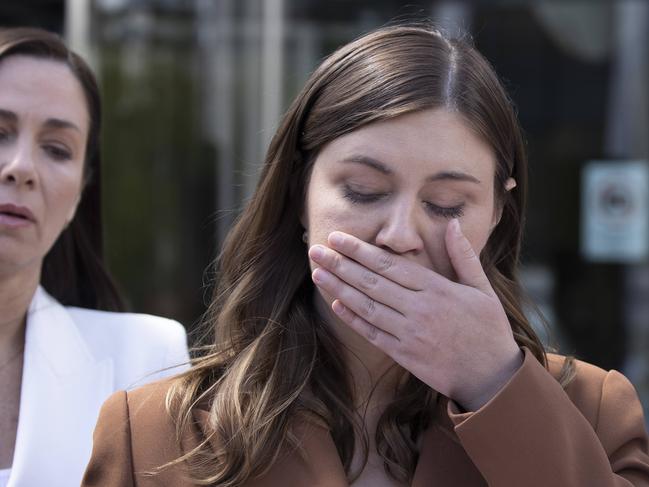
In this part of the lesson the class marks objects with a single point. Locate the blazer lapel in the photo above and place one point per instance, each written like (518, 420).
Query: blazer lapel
(316, 464)
(62, 390)
(442, 459)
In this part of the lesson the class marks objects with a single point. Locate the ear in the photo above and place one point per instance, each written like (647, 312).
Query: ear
(509, 185)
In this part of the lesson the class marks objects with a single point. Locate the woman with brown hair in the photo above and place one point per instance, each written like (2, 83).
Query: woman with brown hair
(64, 347)
(367, 327)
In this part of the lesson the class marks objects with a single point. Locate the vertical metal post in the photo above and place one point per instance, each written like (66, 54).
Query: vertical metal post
(628, 110)
(252, 146)
(215, 39)
(76, 29)
(272, 72)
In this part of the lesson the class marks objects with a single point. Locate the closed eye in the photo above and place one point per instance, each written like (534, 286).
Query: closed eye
(5, 136)
(444, 211)
(358, 197)
(57, 153)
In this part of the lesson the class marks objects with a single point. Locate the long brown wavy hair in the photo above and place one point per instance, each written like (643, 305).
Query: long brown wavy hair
(267, 359)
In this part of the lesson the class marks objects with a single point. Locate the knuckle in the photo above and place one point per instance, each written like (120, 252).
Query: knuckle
(337, 261)
(371, 333)
(369, 308)
(369, 280)
(385, 261)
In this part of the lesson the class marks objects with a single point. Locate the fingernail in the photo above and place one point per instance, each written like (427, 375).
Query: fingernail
(338, 307)
(318, 275)
(316, 252)
(336, 239)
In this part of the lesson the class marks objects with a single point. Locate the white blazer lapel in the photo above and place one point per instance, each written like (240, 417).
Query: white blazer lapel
(63, 387)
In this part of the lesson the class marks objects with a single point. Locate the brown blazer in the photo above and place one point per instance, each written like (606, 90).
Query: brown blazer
(531, 434)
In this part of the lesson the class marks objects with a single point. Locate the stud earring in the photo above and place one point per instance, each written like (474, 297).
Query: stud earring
(305, 237)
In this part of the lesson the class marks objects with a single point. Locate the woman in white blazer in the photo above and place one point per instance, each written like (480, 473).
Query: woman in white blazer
(64, 347)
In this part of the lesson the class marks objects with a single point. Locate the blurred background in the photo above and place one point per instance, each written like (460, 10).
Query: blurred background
(193, 90)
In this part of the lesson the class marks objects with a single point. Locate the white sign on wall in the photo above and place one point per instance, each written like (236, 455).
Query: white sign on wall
(615, 211)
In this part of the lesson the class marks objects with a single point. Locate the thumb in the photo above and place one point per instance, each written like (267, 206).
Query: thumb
(464, 259)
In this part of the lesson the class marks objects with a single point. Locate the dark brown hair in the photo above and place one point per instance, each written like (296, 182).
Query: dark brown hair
(73, 270)
(268, 358)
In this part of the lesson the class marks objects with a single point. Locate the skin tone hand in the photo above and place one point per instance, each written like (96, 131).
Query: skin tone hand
(453, 336)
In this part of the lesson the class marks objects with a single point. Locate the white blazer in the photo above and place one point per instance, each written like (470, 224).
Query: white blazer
(74, 359)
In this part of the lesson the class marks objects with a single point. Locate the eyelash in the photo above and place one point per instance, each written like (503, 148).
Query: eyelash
(441, 211)
(5, 136)
(57, 153)
(445, 212)
(356, 197)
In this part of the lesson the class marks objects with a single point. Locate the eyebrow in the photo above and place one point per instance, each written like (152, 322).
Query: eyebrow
(52, 123)
(57, 123)
(383, 169)
(8, 116)
(453, 176)
(368, 161)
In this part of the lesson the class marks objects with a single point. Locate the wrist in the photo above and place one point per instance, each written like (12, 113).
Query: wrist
(483, 392)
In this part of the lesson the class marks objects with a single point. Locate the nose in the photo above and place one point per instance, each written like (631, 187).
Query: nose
(401, 230)
(17, 166)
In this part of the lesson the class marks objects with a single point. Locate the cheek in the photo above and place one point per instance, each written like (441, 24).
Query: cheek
(478, 233)
(332, 214)
(61, 196)
(478, 242)
(327, 210)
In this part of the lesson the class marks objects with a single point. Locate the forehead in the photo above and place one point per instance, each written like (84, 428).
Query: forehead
(42, 88)
(420, 142)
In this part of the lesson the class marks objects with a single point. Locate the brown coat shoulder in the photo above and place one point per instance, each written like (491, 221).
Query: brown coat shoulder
(134, 436)
(532, 433)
